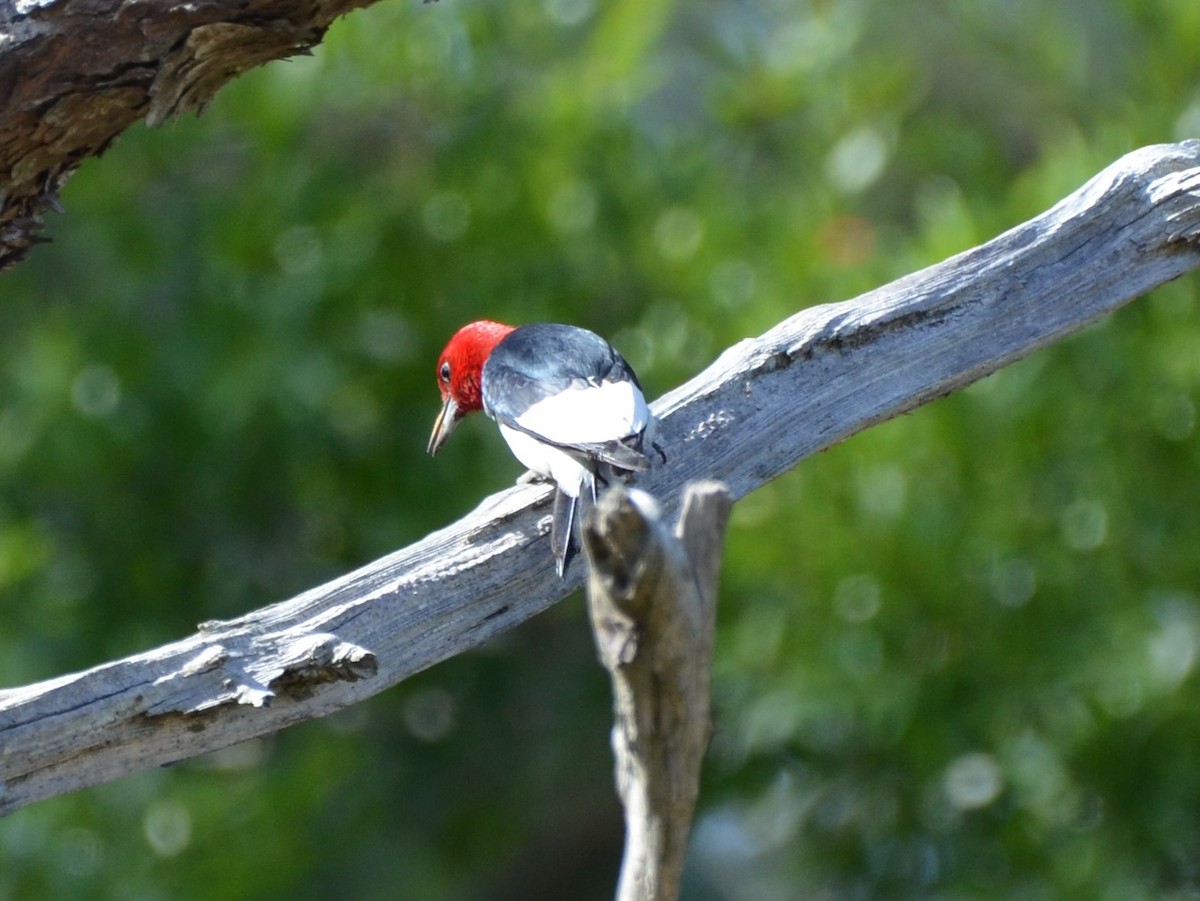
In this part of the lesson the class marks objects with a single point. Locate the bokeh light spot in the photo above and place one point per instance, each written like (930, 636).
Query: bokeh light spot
(1012, 582)
(1084, 525)
(429, 714)
(568, 13)
(857, 161)
(299, 250)
(678, 233)
(168, 827)
(882, 491)
(447, 216)
(857, 598)
(732, 283)
(973, 780)
(1038, 777)
(96, 391)
(1172, 646)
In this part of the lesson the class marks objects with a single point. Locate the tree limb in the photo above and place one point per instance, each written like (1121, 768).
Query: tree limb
(762, 407)
(74, 74)
(652, 598)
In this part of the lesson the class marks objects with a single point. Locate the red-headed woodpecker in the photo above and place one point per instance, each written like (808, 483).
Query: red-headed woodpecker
(569, 406)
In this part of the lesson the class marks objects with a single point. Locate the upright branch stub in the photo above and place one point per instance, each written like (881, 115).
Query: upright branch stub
(652, 602)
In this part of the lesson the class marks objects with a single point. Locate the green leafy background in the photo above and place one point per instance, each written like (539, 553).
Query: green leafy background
(956, 655)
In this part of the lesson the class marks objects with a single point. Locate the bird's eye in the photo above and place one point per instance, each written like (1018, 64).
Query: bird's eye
(444, 372)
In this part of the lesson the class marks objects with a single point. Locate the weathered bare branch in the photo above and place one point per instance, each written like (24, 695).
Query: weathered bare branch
(652, 599)
(74, 74)
(762, 407)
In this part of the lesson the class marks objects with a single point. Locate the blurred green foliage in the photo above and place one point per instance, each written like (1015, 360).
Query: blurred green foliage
(956, 655)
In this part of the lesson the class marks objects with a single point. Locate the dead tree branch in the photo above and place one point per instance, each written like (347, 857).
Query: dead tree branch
(652, 596)
(74, 74)
(762, 407)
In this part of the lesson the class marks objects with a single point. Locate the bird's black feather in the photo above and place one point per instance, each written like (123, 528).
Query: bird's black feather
(543, 359)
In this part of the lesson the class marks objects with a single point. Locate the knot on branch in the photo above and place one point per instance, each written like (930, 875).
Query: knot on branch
(326, 659)
(291, 664)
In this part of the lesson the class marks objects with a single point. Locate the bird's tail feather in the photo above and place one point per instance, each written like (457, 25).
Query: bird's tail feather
(569, 513)
(621, 454)
(562, 528)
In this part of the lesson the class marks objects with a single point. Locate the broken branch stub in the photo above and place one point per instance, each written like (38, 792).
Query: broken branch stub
(651, 598)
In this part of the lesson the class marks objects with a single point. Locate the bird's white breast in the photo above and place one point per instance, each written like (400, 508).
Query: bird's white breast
(546, 460)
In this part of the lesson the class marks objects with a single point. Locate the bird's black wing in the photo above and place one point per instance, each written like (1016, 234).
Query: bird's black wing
(539, 361)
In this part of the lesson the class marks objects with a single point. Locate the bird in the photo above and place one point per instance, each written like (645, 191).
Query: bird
(568, 405)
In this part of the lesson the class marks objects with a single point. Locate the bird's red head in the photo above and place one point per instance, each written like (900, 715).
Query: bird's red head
(459, 372)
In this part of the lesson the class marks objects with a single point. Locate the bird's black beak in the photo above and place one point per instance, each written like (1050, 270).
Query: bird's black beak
(444, 424)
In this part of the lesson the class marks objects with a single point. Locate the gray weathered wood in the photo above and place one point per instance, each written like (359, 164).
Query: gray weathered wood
(652, 600)
(762, 407)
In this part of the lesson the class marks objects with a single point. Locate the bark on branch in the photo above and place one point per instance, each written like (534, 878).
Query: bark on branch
(762, 407)
(652, 597)
(74, 74)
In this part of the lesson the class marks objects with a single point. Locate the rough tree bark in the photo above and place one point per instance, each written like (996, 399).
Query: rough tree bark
(763, 406)
(74, 74)
(652, 596)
